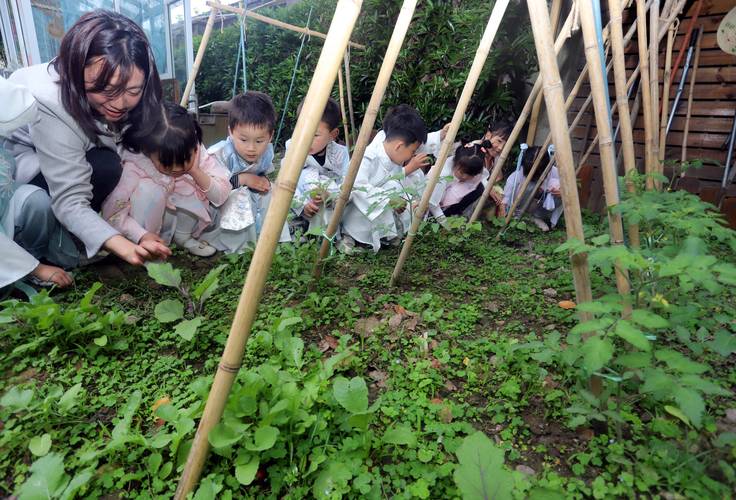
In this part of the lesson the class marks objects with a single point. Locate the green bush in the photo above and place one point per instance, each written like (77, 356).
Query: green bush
(429, 74)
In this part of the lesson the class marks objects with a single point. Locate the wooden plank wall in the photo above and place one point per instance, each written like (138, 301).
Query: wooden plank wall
(713, 107)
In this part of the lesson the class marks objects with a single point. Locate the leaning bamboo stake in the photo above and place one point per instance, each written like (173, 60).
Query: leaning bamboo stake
(198, 59)
(605, 142)
(646, 89)
(554, 101)
(343, 21)
(622, 100)
(693, 77)
(499, 162)
(349, 89)
(666, 96)
(341, 89)
(369, 119)
(274, 22)
(538, 160)
(534, 120)
(499, 9)
(654, 92)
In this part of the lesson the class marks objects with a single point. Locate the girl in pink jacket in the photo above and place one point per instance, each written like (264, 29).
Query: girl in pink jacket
(170, 186)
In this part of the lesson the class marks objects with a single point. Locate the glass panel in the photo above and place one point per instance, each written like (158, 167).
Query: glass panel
(10, 53)
(53, 17)
(150, 15)
(178, 42)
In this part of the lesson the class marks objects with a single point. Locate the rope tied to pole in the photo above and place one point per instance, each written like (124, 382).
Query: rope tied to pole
(331, 239)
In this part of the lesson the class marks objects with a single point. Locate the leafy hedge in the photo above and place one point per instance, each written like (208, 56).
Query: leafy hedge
(429, 74)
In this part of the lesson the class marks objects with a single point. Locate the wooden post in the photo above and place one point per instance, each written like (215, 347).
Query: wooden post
(555, 104)
(646, 89)
(666, 96)
(534, 120)
(343, 21)
(198, 60)
(654, 92)
(514, 135)
(341, 89)
(598, 86)
(693, 80)
(349, 88)
(499, 9)
(274, 22)
(622, 100)
(369, 119)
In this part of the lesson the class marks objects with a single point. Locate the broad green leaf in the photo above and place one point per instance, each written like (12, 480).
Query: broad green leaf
(691, 404)
(351, 394)
(264, 438)
(480, 472)
(246, 473)
(596, 353)
(331, 481)
(724, 343)
(288, 322)
(676, 412)
(648, 319)
(100, 341)
(164, 274)
(400, 434)
(77, 482)
(593, 325)
(657, 382)
(40, 445)
(187, 328)
(678, 362)
(17, 399)
(597, 307)
(293, 350)
(169, 310)
(209, 284)
(122, 428)
(634, 360)
(703, 385)
(69, 399)
(600, 240)
(47, 476)
(223, 435)
(632, 335)
(208, 489)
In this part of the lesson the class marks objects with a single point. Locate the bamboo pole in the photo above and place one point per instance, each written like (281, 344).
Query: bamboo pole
(349, 88)
(646, 89)
(274, 22)
(481, 54)
(693, 79)
(516, 131)
(369, 119)
(534, 120)
(598, 86)
(635, 108)
(341, 89)
(654, 83)
(622, 100)
(666, 94)
(198, 59)
(538, 160)
(554, 102)
(343, 21)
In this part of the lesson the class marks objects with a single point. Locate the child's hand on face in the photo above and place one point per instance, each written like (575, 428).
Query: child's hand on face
(255, 182)
(416, 162)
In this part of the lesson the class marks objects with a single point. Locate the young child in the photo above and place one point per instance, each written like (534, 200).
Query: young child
(322, 175)
(248, 155)
(170, 185)
(467, 169)
(387, 182)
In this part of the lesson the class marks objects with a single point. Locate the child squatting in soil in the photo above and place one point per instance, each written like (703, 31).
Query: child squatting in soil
(170, 185)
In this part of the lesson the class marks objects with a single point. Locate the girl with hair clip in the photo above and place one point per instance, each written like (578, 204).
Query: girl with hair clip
(103, 81)
(170, 185)
(461, 182)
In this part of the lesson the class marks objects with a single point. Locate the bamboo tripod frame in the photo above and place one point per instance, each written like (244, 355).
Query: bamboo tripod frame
(364, 136)
(693, 80)
(343, 21)
(646, 89)
(341, 90)
(666, 93)
(654, 84)
(198, 59)
(481, 54)
(554, 102)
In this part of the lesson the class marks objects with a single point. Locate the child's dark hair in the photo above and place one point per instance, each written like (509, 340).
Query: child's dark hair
(404, 123)
(252, 108)
(175, 137)
(331, 115)
(501, 128)
(469, 159)
(528, 160)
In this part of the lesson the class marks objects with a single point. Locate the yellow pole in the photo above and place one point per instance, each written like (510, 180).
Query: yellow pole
(343, 21)
(198, 59)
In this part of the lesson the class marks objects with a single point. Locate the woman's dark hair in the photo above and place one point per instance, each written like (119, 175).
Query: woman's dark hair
(528, 160)
(174, 136)
(122, 46)
(469, 159)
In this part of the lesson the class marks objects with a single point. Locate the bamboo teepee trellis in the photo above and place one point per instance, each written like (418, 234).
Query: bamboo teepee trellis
(343, 21)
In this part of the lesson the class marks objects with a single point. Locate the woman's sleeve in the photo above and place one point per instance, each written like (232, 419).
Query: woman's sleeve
(62, 157)
(116, 208)
(220, 186)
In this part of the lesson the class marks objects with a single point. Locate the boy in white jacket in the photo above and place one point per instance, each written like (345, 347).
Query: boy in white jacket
(390, 179)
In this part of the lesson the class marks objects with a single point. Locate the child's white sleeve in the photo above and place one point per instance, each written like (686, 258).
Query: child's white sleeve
(513, 183)
(433, 144)
(374, 188)
(308, 179)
